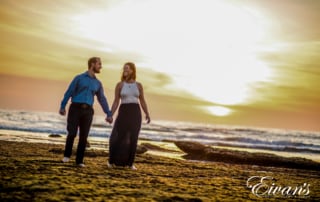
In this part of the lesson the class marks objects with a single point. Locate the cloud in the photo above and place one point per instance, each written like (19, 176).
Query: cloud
(296, 81)
(291, 20)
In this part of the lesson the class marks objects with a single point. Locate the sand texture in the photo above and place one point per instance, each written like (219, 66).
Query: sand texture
(33, 172)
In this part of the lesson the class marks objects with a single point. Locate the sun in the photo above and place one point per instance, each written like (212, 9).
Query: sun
(219, 110)
(208, 47)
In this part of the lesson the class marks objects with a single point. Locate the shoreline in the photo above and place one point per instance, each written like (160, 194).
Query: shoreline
(102, 143)
(32, 171)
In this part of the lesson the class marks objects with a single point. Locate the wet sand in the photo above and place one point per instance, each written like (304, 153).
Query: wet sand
(32, 171)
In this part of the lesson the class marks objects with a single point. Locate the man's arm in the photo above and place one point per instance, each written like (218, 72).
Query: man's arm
(67, 95)
(103, 101)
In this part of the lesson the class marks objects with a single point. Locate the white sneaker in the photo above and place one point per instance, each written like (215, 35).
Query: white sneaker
(109, 165)
(133, 167)
(81, 165)
(65, 159)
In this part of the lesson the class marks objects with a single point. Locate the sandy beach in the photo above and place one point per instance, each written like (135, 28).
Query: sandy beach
(31, 171)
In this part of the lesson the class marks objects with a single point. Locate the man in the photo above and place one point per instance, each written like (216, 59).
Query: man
(82, 90)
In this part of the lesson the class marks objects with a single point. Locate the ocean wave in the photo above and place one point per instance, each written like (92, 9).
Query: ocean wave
(245, 137)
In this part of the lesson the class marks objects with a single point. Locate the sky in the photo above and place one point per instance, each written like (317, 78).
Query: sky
(233, 62)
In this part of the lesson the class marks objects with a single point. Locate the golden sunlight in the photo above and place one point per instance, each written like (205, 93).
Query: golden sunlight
(208, 47)
(219, 111)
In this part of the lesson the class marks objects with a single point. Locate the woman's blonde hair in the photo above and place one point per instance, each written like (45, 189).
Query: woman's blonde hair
(132, 66)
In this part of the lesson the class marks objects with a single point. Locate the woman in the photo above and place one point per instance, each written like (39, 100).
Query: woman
(124, 136)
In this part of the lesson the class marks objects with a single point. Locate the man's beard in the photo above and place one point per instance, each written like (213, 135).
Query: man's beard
(96, 70)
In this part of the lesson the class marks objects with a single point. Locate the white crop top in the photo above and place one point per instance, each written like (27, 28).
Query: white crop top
(129, 93)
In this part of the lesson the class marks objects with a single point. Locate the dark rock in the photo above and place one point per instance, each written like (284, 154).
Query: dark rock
(193, 148)
(88, 145)
(56, 150)
(55, 135)
(155, 147)
(141, 149)
(198, 151)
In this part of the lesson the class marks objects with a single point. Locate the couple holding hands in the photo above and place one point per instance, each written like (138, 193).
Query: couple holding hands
(124, 136)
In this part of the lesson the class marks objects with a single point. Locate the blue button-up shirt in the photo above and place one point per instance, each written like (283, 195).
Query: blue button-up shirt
(82, 89)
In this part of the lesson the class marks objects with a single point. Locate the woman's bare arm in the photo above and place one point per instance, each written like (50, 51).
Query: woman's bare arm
(116, 100)
(143, 103)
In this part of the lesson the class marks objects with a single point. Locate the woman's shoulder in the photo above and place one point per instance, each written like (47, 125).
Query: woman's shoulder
(139, 85)
(119, 84)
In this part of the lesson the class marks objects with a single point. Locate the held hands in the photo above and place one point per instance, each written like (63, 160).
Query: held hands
(109, 120)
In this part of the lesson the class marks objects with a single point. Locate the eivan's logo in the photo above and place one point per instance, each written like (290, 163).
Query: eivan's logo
(265, 186)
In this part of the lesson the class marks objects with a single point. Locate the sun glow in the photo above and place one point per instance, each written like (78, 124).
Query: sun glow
(219, 111)
(208, 47)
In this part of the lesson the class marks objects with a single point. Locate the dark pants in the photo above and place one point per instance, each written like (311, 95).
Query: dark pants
(79, 116)
(124, 136)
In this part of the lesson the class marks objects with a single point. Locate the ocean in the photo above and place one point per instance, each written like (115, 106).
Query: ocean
(282, 142)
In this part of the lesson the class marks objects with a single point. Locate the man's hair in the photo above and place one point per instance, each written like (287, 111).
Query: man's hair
(92, 60)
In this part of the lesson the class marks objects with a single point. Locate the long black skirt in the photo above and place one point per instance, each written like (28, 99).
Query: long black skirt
(124, 136)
